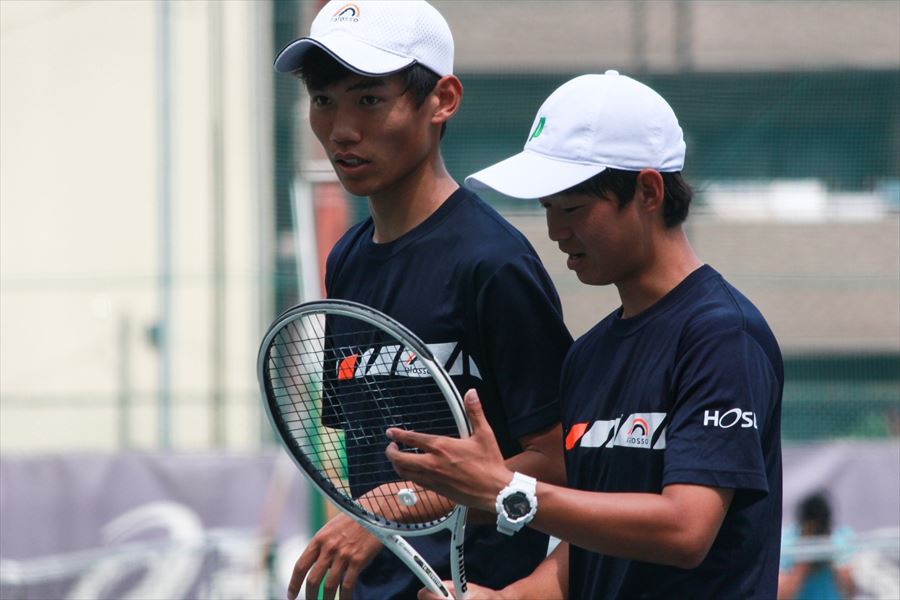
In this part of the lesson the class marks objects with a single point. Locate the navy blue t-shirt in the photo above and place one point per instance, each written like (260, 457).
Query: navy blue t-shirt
(688, 391)
(473, 289)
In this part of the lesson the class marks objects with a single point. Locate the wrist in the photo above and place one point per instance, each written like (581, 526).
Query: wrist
(516, 504)
(517, 590)
(488, 501)
(509, 593)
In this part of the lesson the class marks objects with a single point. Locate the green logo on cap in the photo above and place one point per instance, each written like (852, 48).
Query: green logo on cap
(538, 129)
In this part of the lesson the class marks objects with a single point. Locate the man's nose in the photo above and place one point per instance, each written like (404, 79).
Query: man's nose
(345, 128)
(556, 229)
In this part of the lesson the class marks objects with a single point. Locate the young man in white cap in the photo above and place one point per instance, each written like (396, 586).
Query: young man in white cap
(436, 258)
(671, 404)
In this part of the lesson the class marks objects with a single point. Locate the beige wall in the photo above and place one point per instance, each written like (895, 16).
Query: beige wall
(79, 229)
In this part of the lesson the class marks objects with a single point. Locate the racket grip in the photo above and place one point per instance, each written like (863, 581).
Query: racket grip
(457, 561)
(402, 549)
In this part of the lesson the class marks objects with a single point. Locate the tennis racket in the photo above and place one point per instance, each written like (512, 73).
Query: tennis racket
(334, 376)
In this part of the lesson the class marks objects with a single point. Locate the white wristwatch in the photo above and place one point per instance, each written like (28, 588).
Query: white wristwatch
(516, 504)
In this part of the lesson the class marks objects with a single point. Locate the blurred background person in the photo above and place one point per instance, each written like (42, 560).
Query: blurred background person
(816, 578)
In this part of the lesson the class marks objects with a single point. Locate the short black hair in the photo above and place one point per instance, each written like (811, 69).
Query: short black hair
(319, 69)
(676, 201)
(816, 510)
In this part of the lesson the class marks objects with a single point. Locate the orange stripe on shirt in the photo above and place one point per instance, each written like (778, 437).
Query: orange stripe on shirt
(347, 367)
(575, 434)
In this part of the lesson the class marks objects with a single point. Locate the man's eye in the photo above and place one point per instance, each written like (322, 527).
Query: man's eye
(369, 100)
(571, 209)
(320, 100)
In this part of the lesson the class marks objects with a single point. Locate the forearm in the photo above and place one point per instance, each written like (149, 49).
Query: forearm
(541, 456)
(672, 528)
(540, 465)
(549, 581)
(676, 527)
(385, 501)
(846, 585)
(791, 580)
(538, 461)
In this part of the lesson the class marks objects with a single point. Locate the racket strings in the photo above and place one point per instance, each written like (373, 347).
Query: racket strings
(338, 386)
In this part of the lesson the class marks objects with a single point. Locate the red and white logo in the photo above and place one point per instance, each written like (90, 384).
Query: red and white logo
(639, 430)
(400, 361)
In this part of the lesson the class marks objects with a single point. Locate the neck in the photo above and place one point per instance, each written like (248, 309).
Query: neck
(671, 260)
(398, 209)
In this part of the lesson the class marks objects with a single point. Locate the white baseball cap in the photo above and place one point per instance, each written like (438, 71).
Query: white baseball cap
(373, 37)
(590, 123)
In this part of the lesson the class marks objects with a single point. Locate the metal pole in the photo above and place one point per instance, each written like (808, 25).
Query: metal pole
(123, 332)
(304, 214)
(263, 98)
(164, 202)
(218, 336)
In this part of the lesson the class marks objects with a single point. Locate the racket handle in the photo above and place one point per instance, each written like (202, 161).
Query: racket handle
(457, 560)
(416, 564)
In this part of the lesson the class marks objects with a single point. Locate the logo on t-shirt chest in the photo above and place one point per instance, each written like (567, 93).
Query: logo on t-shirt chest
(639, 430)
(399, 361)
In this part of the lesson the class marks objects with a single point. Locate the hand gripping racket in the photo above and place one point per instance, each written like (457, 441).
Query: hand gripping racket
(335, 375)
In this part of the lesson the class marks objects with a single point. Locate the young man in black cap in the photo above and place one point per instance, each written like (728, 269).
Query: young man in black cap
(435, 257)
(670, 405)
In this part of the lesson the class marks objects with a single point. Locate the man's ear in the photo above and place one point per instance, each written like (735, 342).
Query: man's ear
(650, 190)
(448, 94)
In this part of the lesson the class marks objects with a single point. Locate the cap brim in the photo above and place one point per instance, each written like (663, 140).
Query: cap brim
(531, 175)
(350, 52)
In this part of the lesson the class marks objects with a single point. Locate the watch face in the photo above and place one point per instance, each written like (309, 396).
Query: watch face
(516, 505)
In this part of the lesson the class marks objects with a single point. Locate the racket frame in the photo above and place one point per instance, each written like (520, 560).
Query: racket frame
(389, 533)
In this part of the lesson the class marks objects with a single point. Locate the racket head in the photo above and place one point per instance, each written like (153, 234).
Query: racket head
(334, 376)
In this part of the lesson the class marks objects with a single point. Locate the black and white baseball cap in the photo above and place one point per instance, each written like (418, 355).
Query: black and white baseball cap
(374, 37)
(590, 123)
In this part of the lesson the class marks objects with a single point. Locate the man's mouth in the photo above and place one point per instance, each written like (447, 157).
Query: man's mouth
(349, 160)
(575, 260)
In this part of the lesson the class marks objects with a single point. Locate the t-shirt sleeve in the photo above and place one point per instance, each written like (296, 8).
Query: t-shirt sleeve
(525, 341)
(726, 390)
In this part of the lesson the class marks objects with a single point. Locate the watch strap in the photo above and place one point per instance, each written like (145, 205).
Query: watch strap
(519, 483)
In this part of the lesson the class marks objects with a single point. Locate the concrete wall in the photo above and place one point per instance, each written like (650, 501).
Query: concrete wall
(711, 35)
(80, 227)
(824, 287)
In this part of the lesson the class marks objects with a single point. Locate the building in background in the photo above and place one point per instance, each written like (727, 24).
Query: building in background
(158, 183)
